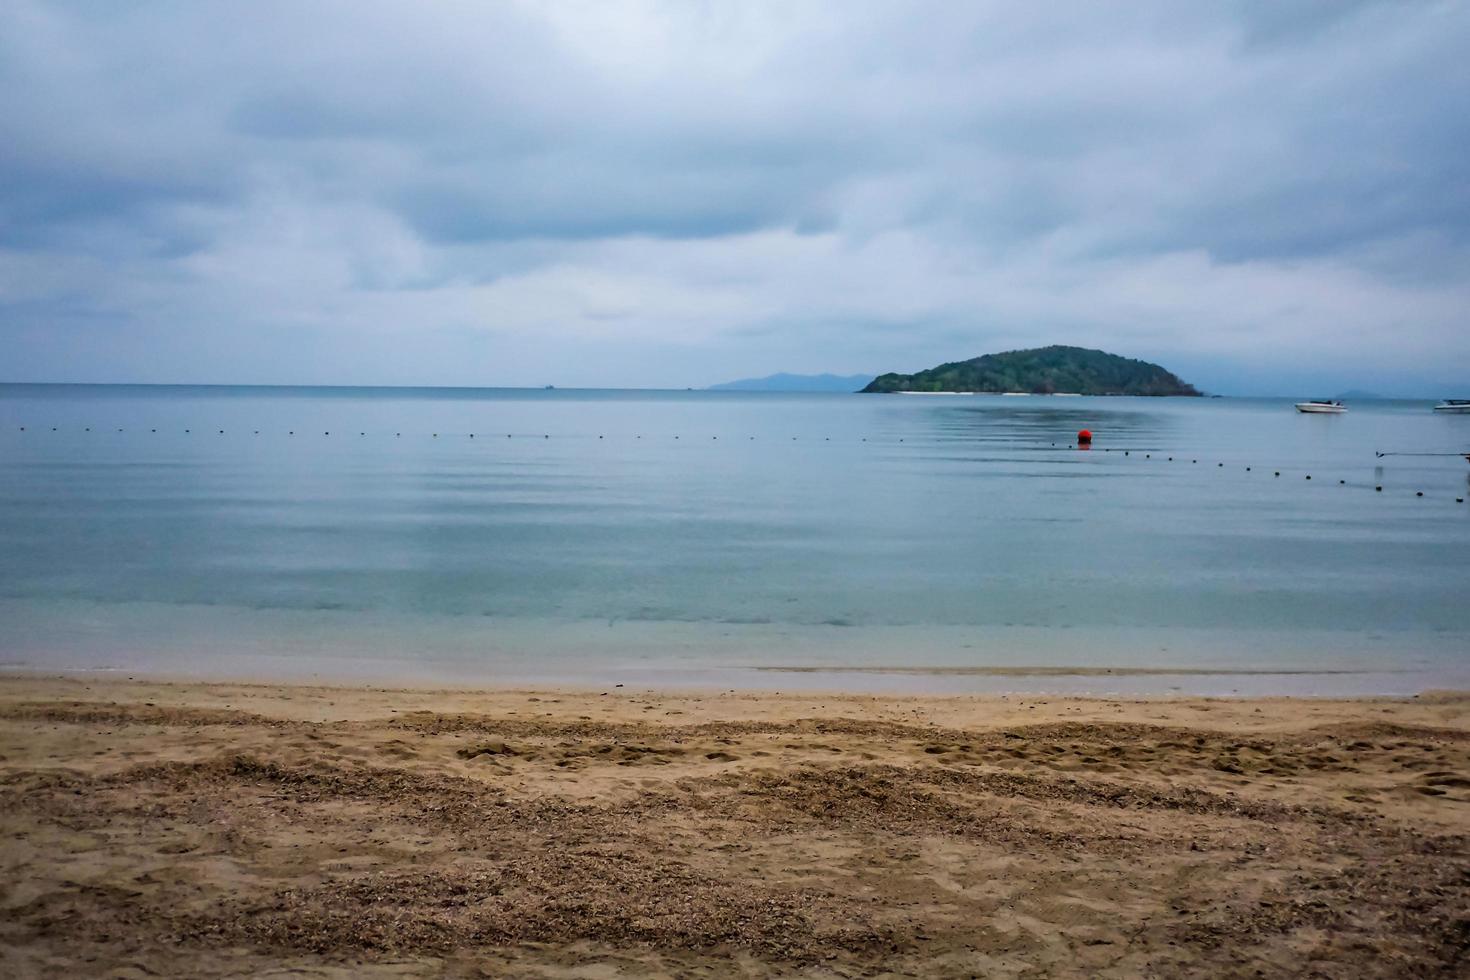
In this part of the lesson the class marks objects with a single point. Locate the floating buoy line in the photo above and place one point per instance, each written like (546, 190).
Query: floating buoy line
(1083, 443)
(1381, 455)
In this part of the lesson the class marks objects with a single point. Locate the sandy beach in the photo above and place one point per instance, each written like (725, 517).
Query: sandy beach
(202, 830)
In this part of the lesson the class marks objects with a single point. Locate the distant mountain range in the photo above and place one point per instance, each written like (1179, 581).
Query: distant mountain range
(797, 382)
(1042, 371)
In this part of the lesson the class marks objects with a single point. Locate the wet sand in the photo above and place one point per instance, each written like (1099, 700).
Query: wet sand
(208, 830)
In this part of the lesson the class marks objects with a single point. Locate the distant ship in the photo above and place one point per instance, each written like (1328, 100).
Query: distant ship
(1321, 406)
(1457, 405)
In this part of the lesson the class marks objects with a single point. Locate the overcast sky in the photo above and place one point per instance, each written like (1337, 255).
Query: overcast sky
(1268, 197)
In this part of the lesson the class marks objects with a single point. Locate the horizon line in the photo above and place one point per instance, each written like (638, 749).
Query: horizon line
(717, 388)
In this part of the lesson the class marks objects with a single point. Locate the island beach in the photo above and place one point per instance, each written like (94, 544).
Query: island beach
(212, 829)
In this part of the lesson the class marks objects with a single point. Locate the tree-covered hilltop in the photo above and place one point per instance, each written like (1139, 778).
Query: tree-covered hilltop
(1044, 370)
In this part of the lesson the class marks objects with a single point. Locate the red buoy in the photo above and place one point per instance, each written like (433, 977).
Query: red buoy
(1084, 438)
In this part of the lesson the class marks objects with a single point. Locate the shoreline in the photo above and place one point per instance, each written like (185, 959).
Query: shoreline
(1063, 671)
(459, 651)
(803, 681)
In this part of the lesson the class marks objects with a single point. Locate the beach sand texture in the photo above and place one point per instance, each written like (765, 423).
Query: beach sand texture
(211, 830)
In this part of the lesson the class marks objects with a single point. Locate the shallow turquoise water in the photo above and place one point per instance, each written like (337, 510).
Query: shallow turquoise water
(580, 536)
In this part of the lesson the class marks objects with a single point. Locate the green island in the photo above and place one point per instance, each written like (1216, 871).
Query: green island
(1054, 370)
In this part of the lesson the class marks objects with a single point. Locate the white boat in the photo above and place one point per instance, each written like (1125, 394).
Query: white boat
(1321, 407)
(1457, 405)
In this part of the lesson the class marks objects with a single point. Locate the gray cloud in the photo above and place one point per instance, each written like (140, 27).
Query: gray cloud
(688, 191)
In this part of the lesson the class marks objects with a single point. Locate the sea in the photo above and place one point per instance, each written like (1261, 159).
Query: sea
(734, 541)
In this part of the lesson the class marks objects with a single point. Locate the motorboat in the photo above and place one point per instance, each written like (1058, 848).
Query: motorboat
(1457, 405)
(1321, 407)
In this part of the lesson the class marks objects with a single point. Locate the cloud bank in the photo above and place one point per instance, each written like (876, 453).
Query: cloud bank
(1263, 197)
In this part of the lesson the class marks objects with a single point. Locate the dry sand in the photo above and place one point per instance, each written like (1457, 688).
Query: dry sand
(209, 830)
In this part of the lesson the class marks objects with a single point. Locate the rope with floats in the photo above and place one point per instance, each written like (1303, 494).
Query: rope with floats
(1381, 455)
(1084, 439)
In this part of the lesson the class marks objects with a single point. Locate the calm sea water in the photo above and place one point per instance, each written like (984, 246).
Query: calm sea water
(591, 537)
